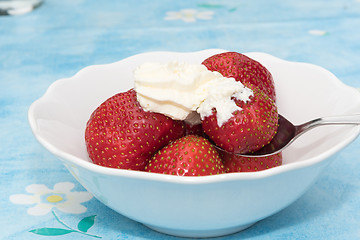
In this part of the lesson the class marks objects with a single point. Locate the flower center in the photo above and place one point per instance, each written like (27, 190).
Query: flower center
(54, 198)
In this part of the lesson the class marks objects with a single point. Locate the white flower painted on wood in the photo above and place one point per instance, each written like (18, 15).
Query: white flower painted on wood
(45, 199)
(317, 32)
(189, 15)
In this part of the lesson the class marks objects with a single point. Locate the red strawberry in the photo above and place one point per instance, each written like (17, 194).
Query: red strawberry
(188, 156)
(244, 69)
(234, 163)
(120, 134)
(247, 130)
(194, 130)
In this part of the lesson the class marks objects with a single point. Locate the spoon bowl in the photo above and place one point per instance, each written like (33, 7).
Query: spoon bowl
(288, 132)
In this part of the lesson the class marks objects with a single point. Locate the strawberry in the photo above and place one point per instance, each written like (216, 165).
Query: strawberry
(120, 134)
(235, 163)
(244, 69)
(247, 130)
(194, 130)
(187, 156)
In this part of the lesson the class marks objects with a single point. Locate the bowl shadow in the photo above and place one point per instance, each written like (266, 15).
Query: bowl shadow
(328, 194)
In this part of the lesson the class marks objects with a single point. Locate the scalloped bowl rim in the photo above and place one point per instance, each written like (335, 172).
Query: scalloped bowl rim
(178, 179)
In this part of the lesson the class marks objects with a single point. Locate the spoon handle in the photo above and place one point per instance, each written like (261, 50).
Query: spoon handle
(353, 119)
(346, 119)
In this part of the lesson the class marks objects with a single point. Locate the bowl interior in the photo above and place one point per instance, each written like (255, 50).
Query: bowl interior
(304, 92)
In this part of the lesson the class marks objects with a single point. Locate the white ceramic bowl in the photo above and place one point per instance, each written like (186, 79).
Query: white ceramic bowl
(197, 206)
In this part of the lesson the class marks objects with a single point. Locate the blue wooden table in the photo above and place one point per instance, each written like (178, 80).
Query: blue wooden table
(62, 37)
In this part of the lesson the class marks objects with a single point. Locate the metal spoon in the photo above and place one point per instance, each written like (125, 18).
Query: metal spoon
(288, 133)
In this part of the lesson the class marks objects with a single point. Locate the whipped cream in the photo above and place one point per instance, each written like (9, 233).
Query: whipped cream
(187, 92)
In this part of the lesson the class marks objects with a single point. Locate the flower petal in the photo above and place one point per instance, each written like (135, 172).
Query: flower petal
(63, 187)
(317, 32)
(188, 11)
(79, 197)
(24, 199)
(37, 189)
(40, 209)
(71, 207)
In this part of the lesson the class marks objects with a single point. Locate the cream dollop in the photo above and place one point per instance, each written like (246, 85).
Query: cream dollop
(188, 92)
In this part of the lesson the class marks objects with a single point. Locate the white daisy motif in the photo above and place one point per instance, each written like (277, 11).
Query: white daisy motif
(45, 199)
(318, 32)
(189, 15)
